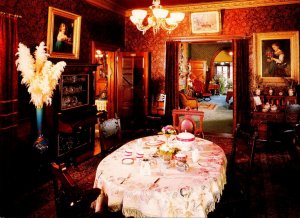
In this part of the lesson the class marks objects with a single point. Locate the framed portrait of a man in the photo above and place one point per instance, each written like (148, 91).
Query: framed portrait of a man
(277, 55)
(63, 35)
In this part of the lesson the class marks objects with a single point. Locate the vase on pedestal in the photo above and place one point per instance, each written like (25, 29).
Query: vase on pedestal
(41, 143)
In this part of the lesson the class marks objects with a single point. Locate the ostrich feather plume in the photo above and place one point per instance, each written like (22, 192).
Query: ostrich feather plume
(38, 74)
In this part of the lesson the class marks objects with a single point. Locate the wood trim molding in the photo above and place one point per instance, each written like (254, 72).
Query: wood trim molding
(109, 5)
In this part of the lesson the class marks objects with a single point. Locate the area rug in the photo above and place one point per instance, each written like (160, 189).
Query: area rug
(207, 105)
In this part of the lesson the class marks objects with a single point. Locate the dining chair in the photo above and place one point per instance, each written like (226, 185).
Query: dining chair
(70, 199)
(235, 199)
(187, 124)
(183, 118)
(155, 119)
(110, 135)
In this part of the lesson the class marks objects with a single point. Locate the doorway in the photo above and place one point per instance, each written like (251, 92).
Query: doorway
(132, 88)
(219, 73)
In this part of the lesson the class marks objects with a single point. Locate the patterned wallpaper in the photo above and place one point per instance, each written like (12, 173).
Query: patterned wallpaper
(100, 25)
(205, 51)
(241, 22)
(97, 24)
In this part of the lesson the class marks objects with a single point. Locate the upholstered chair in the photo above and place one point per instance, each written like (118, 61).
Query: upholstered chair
(187, 101)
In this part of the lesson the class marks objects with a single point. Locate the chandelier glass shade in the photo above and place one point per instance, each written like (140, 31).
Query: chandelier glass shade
(158, 19)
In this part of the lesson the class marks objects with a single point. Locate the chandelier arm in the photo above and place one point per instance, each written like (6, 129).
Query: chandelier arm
(143, 28)
(167, 27)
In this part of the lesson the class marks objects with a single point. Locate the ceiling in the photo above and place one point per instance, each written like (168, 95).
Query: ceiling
(130, 4)
(124, 6)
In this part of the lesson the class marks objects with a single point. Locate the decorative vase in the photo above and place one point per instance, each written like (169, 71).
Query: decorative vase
(41, 144)
(291, 92)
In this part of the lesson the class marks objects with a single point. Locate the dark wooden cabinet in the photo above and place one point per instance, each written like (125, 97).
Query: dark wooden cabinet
(263, 121)
(74, 112)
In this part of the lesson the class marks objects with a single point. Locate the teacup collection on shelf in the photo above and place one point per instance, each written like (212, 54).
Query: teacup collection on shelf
(272, 99)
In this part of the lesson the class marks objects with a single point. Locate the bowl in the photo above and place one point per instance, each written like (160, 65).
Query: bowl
(185, 140)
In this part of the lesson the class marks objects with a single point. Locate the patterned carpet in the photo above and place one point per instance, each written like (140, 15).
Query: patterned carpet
(207, 105)
(274, 186)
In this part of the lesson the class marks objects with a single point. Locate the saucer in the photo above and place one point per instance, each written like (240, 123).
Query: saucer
(154, 142)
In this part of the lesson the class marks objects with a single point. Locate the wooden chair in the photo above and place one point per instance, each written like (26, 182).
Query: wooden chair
(235, 199)
(110, 135)
(187, 124)
(199, 90)
(154, 120)
(70, 200)
(193, 117)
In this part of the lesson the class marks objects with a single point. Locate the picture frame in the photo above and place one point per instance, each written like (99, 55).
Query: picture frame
(63, 34)
(206, 22)
(271, 64)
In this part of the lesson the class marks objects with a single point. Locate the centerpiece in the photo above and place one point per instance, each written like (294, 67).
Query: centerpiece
(165, 150)
(167, 131)
(40, 77)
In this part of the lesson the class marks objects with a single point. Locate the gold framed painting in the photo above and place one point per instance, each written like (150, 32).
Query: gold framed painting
(63, 34)
(206, 22)
(276, 55)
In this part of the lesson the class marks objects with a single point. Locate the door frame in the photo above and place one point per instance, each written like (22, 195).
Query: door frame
(217, 39)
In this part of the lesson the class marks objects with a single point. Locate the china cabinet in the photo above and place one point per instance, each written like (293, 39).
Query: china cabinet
(75, 112)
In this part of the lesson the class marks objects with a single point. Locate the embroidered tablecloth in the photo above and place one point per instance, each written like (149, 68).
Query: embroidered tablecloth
(167, 192)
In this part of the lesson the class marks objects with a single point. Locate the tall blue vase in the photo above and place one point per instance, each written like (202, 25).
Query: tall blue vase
(41, 144)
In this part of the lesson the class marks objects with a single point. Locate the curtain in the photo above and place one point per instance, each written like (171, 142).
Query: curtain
(241, 67)
(8, 109)
(171, 79)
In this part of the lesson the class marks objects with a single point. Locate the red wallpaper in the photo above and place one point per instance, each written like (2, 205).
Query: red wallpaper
(234, 22)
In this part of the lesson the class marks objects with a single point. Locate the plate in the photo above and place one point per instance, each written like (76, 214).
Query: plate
(157, 142)
(127, 161)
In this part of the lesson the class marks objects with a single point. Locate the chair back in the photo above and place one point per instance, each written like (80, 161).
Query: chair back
(187, 124)
(186, 118)
(159, 105)
(110, 134)
(187, 101)
(292, 114)
(70, 200)
(198, 86)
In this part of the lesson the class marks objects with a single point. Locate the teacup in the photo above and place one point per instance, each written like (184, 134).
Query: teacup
(180, 157)
(128, 152)
(182, 166)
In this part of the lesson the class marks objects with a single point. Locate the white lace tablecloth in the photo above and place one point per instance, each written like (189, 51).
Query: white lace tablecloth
(192, 193)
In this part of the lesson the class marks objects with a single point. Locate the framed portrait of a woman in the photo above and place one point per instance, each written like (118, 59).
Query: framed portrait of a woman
(277, 55)
(63, 35)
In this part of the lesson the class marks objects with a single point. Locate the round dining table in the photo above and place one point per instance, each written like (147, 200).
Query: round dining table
(165, 190)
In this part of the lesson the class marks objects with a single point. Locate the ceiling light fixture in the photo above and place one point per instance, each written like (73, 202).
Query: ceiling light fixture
(158, 19)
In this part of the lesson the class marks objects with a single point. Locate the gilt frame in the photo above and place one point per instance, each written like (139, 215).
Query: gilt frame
(288, 43)
(68, 48)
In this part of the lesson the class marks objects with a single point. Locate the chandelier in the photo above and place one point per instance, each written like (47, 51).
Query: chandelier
(158, 19)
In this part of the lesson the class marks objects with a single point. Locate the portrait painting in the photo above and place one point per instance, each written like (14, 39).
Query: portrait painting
(206, 22)
(63, 37)
(277, 55)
